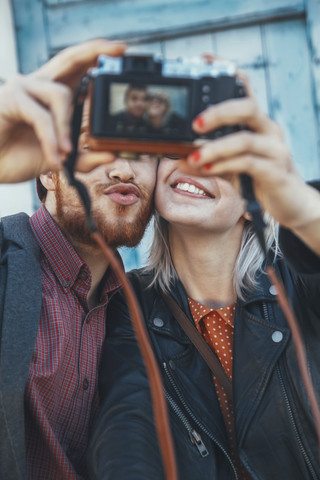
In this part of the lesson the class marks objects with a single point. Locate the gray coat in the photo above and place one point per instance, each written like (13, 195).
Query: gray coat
(20, 306)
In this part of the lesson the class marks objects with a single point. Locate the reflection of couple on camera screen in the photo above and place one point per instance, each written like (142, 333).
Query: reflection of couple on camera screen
(147, 110)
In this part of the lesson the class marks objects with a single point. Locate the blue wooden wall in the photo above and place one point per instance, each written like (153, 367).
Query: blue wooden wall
(276, 42)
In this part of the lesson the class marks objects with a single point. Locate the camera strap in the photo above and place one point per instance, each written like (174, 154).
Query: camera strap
(253, 207)
(160, 409)
(199, 342)
(70, 163)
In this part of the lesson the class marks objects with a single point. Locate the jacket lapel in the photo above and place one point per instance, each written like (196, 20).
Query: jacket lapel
(192, 373)
(258, 344)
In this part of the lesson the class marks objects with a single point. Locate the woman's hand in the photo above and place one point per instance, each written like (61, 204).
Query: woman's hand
(260, 151)
(36, 109)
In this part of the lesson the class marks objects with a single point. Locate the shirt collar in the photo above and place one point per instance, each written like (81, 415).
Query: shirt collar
(62, 257)
(200, 311)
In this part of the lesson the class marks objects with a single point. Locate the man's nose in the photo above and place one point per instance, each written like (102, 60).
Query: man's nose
(121, 170)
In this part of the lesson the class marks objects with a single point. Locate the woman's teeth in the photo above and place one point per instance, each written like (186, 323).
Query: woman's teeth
(187, 187)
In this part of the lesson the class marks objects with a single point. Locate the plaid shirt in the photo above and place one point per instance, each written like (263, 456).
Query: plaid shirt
(61, 393)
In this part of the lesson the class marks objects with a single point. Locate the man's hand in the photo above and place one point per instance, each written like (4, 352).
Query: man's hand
(36, 109)
(262, 153)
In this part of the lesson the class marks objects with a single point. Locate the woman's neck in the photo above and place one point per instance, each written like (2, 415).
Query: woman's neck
(157, 121)
(205, 263)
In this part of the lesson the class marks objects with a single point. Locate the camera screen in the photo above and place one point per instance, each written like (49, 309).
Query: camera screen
(148, 110)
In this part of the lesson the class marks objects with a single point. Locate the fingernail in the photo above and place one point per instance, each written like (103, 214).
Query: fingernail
(199, 122)
(207, 166)
(195, 156)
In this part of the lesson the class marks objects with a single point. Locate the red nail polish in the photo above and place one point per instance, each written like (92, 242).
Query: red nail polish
(207, 166)
(195, 156)
(199, 122)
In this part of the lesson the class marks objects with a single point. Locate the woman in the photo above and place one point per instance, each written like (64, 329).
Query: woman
(159, 115)
(205, 253)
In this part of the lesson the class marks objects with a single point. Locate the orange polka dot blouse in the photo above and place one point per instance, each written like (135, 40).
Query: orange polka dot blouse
(217, 326)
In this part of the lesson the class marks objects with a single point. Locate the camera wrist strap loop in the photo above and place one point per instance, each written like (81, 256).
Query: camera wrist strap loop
(157, 391)
(254, 209)
(69, 165)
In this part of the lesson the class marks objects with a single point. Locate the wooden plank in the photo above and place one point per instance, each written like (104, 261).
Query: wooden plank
(138, 257)
(57, 2)
(32, 42)
(291, 100)
(313, 33)
(147, 20)
(244, 47)
(154, 48)
(8, 60)
(16, 198)
(189, 46)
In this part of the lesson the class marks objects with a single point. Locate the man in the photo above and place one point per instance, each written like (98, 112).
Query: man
(205, 257)
(55, 283)
(159, 114)
(135, 101)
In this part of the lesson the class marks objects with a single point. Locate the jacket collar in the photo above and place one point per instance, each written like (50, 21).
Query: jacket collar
(264, 291)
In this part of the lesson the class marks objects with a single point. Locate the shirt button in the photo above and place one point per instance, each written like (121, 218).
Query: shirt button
(158, 322)
(83, 275)
(85, 384)
(273, 290)
(277, 336)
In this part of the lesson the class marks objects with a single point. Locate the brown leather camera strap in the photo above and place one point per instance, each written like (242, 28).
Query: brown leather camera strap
(159, 403)
(199, 342)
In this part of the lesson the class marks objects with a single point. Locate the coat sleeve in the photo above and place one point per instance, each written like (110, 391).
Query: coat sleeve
(304, 266)
(123, 442)
(300, 257)
(302, 260)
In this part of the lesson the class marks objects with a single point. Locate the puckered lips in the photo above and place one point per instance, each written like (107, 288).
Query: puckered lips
(123, 193)
(191, 188)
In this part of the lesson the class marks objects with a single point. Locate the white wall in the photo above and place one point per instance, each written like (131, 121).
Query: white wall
(13, 198)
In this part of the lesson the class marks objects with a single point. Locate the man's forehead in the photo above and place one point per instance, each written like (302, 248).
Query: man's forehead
(137, 91)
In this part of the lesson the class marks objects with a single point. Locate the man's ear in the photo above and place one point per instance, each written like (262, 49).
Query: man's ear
(247, 216)
(49, 180)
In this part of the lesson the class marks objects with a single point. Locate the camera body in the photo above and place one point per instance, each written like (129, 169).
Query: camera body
(144, 104)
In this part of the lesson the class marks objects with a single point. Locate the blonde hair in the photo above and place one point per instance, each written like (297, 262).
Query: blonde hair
(248, 264)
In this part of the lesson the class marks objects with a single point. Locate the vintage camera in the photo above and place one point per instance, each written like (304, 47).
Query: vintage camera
(144, 104)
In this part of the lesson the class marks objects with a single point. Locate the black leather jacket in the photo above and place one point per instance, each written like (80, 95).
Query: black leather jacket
(275, 430)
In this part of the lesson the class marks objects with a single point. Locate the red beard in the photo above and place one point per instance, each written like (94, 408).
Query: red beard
(125, 229)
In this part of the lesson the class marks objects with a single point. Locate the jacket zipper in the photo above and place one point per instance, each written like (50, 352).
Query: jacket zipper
(286, 398)
(194, 418)
(302, 448)
(265, 311)
(193, 434)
